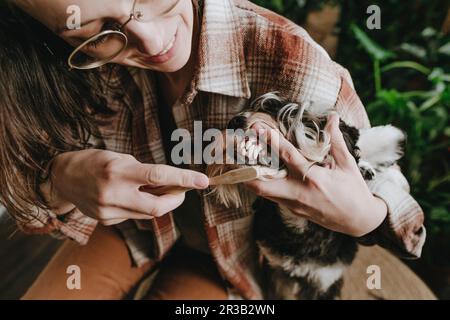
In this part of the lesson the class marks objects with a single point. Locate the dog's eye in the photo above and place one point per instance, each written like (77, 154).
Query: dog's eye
(238, 122)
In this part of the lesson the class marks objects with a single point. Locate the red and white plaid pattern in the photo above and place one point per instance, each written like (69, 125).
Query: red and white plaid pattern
(245, 51)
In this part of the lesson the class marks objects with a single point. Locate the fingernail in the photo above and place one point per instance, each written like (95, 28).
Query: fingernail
(201, 181)
(257, 126)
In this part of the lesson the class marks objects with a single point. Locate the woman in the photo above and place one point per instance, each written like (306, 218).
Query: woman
(160, 65)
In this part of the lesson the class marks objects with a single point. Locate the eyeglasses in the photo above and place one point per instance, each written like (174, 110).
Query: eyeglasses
(109, 43)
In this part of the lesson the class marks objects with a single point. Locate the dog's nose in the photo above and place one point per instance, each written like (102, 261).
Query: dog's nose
(238, 122)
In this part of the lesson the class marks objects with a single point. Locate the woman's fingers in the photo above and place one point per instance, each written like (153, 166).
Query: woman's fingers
(339, 149)
(105, 214)
(112, 222)
(291, 157)
(166, 203)
(156, 207)
(164, 175)
(146, 203)
(152, 205)
(282, 188)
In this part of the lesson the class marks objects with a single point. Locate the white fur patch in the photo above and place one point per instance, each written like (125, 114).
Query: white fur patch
(323, 275)
(380, 145)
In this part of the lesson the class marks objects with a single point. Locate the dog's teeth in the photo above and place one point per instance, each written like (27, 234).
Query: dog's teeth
(263, 161)
(250, 149)
(256, 153)
(241, 148)
(250, 152)
(249, 144)
(258, 149)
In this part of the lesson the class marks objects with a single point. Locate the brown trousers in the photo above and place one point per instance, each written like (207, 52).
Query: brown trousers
(107, 272)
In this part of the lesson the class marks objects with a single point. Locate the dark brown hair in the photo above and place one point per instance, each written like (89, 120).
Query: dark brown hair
(45, 109)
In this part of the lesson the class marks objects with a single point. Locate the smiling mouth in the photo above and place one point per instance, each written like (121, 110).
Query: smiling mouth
(165, 55)
(167, 48)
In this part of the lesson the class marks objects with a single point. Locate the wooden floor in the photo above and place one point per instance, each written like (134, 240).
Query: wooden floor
(22, 257)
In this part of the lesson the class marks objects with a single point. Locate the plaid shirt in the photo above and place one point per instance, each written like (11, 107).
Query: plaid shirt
(244, 52)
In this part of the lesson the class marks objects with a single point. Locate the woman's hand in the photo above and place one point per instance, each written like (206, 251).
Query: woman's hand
(335, 198)
(107, 186)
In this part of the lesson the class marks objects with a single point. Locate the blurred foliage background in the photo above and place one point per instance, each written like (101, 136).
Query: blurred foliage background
(402, 74)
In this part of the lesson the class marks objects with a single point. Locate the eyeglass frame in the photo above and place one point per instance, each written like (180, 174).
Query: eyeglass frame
(104, 61)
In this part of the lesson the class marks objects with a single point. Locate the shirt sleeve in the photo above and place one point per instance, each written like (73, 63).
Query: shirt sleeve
(402, 232)
(73, 225)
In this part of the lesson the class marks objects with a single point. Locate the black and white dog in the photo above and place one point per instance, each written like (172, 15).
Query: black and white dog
(300, 259)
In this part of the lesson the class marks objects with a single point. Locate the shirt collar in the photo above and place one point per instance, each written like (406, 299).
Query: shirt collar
(221, 63)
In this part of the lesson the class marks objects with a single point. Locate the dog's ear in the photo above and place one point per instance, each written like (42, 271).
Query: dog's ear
(382, 145)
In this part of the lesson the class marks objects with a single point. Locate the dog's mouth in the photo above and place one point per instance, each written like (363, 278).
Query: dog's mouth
(249, 146)
(244, 147)
(251, 150)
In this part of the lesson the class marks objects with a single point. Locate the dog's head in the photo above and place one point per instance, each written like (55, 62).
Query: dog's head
(302, 128)
(374, 149)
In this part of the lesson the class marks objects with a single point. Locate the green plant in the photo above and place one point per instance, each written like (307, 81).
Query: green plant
(423, 114)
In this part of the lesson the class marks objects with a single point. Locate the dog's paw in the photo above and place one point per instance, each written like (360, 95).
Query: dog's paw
(366, 169)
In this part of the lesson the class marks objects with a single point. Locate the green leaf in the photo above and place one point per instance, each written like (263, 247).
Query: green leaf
(447, 131)
(301, 3)
(278, 4)
(437, 75)
(440, 214)
(418, 94)
(445, 49)
(429, 103)
(406, 64)
(436, 182)
(429, 32)
(414, 50)
(373, 49)
(412, 106)
(393, 98)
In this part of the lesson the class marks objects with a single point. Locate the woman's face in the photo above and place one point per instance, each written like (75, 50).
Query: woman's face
(162, 44)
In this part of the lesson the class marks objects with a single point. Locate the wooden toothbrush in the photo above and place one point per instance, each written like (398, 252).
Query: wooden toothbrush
(231, 177)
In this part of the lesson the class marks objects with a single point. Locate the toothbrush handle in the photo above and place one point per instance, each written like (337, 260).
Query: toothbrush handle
(158, 191)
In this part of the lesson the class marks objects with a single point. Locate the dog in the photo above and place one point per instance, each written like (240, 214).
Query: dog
(301, 259)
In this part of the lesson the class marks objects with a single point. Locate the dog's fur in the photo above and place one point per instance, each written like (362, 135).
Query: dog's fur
(300, 259)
